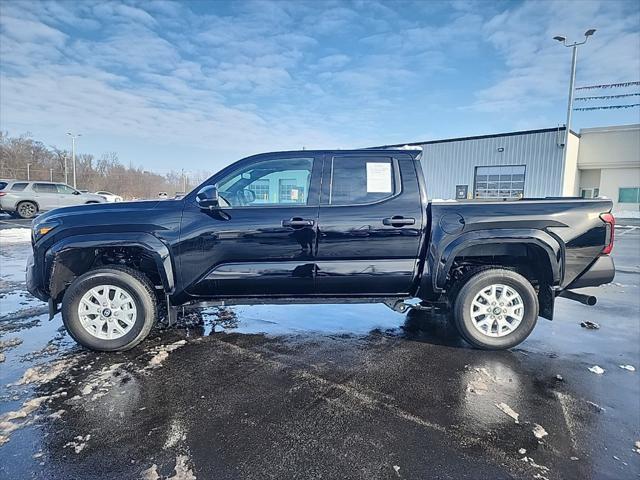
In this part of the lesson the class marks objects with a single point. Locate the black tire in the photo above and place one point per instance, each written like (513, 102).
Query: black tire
(26, 210)
(136, 284)
(466, 295)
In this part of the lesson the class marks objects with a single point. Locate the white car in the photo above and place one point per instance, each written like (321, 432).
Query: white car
(110, 197)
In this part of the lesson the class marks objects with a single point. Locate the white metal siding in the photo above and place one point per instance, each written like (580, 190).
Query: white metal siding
(448, 164)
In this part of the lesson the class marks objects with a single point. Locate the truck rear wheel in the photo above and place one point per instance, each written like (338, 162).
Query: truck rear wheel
(496, 309)
(109, 309)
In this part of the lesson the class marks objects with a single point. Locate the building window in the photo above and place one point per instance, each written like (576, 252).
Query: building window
(629, 195)
(261, 189)
(500, 182)
(290, 191)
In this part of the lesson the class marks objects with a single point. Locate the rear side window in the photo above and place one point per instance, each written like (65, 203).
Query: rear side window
(2, 185)
(18, 187)
(357, 180)
(45, 188)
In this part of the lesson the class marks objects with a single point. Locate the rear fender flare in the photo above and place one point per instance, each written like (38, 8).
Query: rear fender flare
(539, 238)
(152, 245)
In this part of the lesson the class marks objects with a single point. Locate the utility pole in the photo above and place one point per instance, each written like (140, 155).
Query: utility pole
(51, 174)
(574, 46)
(184, 182)
(73, 154)
(66, 173)
(28, 172)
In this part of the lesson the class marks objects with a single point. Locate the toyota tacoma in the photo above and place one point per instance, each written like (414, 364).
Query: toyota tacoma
(318, 227)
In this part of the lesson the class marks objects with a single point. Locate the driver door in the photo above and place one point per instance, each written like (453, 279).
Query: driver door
(261, 241)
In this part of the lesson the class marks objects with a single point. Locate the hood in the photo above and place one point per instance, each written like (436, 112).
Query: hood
(98, 208)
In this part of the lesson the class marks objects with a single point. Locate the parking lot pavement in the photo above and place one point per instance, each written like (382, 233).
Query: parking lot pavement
(6, 221)
(331, 391)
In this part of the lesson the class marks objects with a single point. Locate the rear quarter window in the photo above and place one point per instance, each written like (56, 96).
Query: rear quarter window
(18, 187)
(2, 185)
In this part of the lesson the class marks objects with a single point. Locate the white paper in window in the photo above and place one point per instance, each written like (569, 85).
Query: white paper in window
(378, 177)
(294, 194)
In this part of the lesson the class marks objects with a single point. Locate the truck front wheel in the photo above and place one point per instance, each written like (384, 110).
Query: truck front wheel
(109, 309)
(496, 309)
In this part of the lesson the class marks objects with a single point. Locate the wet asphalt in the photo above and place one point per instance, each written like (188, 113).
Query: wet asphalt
(371, 394)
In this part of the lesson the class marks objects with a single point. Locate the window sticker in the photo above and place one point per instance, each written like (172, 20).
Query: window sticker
(294, 194)
(378, 177)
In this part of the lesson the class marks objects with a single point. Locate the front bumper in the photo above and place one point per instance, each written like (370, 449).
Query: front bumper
(600, 272)
(34, 279)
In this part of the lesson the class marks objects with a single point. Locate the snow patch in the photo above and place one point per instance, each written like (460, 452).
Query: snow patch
(11, 236)
(509, 411)
(163, 353)
(45, 373)
(539, 431)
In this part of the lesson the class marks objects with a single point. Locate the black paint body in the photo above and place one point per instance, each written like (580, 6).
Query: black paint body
(348, 251)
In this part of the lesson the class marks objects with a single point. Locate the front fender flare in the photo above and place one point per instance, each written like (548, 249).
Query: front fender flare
(158, 250)
(442, 264)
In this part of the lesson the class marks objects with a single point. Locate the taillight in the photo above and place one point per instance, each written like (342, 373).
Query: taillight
(610, 220)
(2, 194)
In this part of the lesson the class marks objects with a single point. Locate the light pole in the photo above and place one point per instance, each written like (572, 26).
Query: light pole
(73, 154)
(51, 174)
(572, 80)
(28, 172)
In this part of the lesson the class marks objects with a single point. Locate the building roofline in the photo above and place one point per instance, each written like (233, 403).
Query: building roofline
(612, 128)
(479, 137)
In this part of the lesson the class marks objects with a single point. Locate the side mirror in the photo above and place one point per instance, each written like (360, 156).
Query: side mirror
(207, 198)
(76, 192)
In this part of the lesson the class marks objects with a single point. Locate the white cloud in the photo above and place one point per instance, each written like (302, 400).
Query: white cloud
(277, 75)
(537, 67)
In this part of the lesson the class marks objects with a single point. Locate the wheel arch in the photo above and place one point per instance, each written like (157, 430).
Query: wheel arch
(491, 243)
(72, 256)
(35, 202)
(506, 248)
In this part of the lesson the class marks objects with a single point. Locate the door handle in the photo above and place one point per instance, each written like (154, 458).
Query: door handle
(297, 222)
(398, 221)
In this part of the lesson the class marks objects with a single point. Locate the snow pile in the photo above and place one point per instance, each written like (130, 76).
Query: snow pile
(11, 236)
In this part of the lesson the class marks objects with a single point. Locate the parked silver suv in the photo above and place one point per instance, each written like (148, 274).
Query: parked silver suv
(26, 199)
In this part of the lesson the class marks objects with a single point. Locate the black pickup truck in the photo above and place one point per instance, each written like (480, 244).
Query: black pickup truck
(318, 227)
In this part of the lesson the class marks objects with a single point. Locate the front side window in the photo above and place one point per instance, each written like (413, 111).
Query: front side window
(45, 188)
(358, 180)
(268, 182)
(66, 189)
(500, 182)
(629, 195)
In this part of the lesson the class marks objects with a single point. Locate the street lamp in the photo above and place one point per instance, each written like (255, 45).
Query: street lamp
(73, 154)
(572, 80)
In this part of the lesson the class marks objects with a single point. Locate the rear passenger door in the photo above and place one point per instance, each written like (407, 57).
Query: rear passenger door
(46, 195)
(370, 224)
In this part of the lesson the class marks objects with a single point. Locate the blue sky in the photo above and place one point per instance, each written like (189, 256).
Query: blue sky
(196, 85)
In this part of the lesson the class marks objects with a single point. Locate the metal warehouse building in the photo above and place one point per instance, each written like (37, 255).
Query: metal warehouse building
(599, 162)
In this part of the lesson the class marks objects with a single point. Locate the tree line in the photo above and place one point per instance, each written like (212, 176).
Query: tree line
(24, 158)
